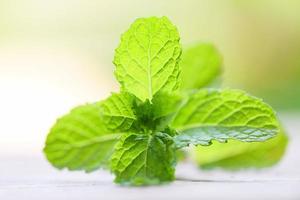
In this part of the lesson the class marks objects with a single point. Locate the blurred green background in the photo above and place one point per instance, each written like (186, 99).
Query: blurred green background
(259, 39)
(57, 54)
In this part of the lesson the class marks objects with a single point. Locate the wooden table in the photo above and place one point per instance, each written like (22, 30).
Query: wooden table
(31, 177)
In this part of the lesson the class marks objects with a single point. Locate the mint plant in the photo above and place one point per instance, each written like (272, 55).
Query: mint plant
(135, 133)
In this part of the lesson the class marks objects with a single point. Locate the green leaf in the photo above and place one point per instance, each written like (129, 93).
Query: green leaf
(200, 64)
(158, 114)
(165, 105)
(236, 155)
(147, 58)
(221, 115)
(144, 159)
(117, 112)
(80, 140)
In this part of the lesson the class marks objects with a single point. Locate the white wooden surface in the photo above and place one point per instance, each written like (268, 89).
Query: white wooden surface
(31, 177)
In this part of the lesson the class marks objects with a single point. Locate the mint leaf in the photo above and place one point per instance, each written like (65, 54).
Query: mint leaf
(144, 159)
(80, 140)
(239, 155)
(201, 64)
(147, 58)
(117, 112)
(158, 114)
(221, 115)
(165, 106)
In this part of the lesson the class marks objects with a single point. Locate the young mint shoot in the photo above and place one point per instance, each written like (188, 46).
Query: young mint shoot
(135, 133)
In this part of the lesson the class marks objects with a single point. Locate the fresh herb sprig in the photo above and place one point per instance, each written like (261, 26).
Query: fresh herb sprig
(136, 132)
